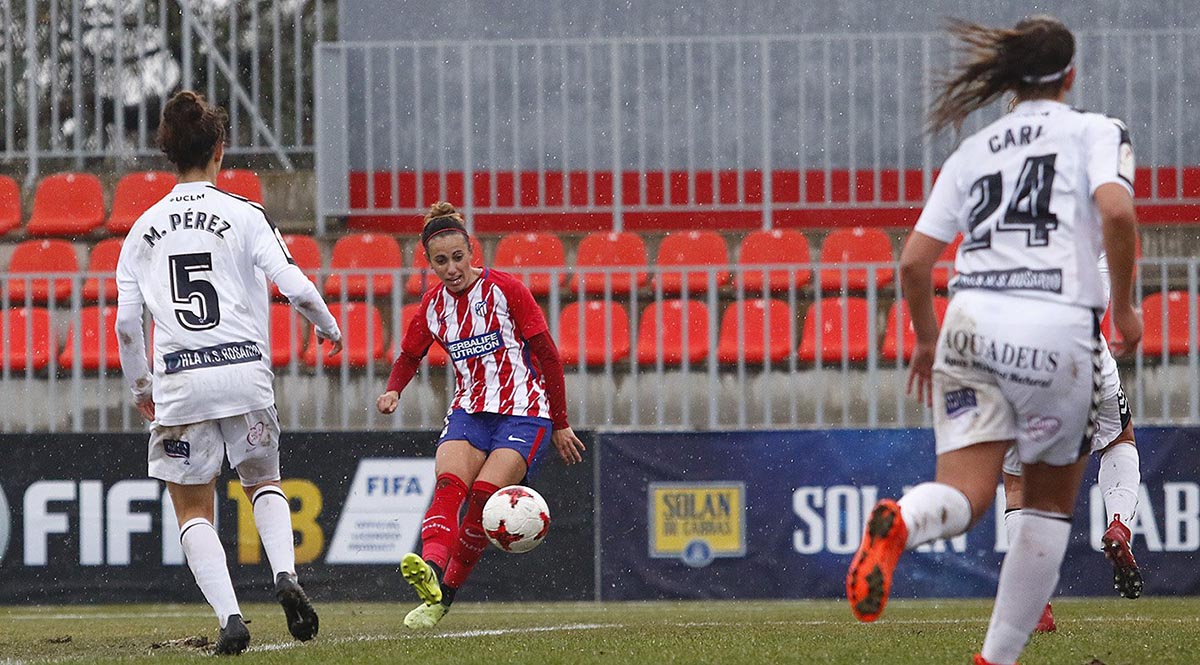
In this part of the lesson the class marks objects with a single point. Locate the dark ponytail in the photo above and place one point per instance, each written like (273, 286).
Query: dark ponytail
(1031, 59)
(191, 129)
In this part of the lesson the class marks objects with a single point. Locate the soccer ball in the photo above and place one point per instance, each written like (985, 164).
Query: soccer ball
(516, 519)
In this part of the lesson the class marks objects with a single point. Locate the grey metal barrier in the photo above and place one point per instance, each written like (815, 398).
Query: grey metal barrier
(761, 125)
(707, 347)
(87, 80)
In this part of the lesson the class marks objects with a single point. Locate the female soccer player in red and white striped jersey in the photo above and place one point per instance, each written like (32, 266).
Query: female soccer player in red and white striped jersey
(509, 395)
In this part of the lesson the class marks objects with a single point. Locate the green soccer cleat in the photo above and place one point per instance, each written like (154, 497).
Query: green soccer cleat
(425, 616)
(422, 579)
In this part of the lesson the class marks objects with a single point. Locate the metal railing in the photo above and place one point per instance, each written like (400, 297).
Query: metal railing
(86, 80)
(768, 126)
(832, 358)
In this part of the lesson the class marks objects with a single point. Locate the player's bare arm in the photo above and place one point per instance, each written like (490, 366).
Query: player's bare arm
(920, 253)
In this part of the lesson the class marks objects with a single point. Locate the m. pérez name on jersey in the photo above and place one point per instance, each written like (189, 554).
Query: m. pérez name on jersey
(191, 220)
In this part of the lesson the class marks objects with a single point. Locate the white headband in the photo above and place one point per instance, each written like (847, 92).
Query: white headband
(1049, 78)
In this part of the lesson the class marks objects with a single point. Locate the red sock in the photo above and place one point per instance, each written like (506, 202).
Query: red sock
(471, 539)
(440, 528)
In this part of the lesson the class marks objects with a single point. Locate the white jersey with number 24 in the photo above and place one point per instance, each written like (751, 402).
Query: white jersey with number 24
(1020, 191)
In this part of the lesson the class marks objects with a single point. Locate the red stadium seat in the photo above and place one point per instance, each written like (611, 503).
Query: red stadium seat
(242, 182)
(364, 252)
(67, 204)
(358, 321)
(436, 355)
(857, 245)
(287, 334)
(1174, 338)
(942, 275)
(774, 247)
(757, 319)
(40, 257)
(103, 259)
(98, 325)
(423, 278)
(691, 248)
(675, 319)
(897, 316)
(307, 255)
(598, 251)
(832, 325)
(135, 193)
(26, 334)
(597, 346)
(10, 204)
(538, 252)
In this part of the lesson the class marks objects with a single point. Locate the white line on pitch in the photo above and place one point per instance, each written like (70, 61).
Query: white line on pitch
(457, 634)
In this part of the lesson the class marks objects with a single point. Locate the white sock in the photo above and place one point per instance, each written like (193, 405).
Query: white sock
(273, 519)
(1012, 521)
(932, 511)
(206, 557)
(1119, 478)
(1027, 580)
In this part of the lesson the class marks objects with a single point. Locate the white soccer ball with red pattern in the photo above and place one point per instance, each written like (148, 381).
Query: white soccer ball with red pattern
(516, 519)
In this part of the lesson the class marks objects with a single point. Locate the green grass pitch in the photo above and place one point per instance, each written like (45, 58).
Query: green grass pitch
(1091, 631)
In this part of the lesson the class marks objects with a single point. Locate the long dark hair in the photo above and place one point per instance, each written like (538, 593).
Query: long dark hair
(190, 130)
(1031, 59)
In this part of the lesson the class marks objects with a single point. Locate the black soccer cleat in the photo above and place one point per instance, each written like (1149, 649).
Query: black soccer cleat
(302, 621)
(234, 637)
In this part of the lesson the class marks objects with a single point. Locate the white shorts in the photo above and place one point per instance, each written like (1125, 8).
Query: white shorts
(192, 454)
(1012, 368)
(1111, 419)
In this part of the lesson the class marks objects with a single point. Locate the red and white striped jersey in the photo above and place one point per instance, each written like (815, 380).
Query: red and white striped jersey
(485, 332)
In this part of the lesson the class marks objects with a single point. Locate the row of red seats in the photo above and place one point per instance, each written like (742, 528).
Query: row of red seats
(605, 334)
(525, 251)
(72, 204)
(625, 253)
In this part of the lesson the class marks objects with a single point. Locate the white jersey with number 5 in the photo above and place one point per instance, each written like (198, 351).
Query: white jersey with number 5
(1020, 191)
(196, 260)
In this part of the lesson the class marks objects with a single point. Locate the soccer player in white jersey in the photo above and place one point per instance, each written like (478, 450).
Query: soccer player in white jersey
(504, 405)
(196, 260)
(1017, 359)
(1119, 479)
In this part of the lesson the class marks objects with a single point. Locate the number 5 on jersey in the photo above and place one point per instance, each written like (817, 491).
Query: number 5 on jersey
(203, 310)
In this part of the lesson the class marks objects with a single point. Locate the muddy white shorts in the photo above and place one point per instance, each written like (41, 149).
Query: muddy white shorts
(192, 454)
(1012, 368)
(1111, 419)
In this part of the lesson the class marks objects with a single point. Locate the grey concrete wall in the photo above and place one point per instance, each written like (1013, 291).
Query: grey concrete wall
(803, 85)
(387, 20)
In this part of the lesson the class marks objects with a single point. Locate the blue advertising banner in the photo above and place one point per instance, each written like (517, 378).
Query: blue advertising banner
(81, 523)
(779, 514)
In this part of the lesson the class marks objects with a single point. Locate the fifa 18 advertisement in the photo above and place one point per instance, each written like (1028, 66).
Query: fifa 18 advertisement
(91, 527)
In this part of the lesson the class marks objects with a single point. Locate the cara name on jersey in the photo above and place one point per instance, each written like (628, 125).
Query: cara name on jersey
(1020, 191)
(193, 259)
(484, 330)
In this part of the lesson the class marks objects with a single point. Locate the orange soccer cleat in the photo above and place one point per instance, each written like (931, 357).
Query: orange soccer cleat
(869, 580)
(1127, 579)
(979, 660)
(1046, 623)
